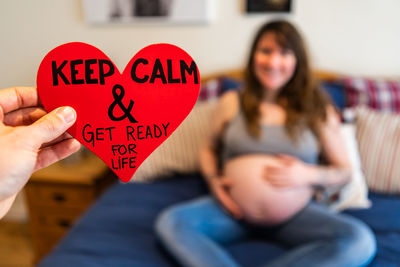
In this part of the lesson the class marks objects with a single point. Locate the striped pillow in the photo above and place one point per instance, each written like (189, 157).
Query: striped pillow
(378, 135)
(179, 153)
(377, 94)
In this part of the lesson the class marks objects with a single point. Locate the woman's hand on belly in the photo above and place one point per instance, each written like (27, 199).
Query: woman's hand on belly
(258, 200)
(289, 173)
(220, 187)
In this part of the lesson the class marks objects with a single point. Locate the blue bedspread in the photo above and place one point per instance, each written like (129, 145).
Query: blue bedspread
(117, 229)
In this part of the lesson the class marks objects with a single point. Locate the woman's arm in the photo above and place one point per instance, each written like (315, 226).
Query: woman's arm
(293, 172)
(219, 185)
(334, 149)
(227, 108)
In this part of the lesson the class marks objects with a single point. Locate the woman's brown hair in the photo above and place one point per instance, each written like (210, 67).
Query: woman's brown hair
(301, 97)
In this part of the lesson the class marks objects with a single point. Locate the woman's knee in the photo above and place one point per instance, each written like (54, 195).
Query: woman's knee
(357, 242)
(180, 218)
(170, 222)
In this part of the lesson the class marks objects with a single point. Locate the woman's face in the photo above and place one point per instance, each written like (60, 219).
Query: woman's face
(273, 65)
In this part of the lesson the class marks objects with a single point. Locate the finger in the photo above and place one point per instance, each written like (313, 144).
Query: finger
(230, 206)
(49, 155)
(287, 158)
(281, 185)
(18, 97)
(226, 182)
(59, 139)
(1, 116)
(278, 182)
(273, 178)
(25, 116)
(274, 170)
(51, 126)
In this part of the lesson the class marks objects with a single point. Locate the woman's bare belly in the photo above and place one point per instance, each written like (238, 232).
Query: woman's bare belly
(260, 202)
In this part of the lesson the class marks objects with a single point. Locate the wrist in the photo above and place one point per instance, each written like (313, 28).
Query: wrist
(210, 177)
(314, 175)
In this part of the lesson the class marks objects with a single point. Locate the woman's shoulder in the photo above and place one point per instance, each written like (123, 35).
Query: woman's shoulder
(231, 96)
(332, 119)
(228, 105)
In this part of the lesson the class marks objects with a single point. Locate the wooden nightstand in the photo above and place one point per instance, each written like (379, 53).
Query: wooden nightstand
(57, 195)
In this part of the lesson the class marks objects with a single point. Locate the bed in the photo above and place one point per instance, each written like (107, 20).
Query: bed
(118, 229)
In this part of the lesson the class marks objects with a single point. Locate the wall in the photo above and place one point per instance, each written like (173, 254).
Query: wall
(350, 36)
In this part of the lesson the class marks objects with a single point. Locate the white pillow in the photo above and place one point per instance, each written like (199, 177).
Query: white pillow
(355, 193)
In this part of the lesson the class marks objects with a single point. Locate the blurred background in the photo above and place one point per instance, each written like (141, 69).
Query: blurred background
(355, 37)
(349, 36)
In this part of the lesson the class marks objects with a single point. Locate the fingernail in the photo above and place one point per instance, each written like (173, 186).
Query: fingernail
(67, 113)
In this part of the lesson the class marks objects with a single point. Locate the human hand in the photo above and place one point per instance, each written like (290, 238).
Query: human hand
(291, 172)
(30, 139)
(220, 186)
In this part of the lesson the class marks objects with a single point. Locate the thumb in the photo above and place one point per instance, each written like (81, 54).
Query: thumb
(52, 125)
(226, 182)
(1, 115)
(287, 158)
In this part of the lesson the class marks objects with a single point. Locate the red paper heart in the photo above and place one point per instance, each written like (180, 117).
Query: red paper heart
(124, 117)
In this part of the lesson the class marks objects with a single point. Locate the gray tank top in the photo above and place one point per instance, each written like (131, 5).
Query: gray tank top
(274, 140)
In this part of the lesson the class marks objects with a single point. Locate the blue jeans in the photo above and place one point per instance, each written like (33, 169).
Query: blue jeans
(195, 233)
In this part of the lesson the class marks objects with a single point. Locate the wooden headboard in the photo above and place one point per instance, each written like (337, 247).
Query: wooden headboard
(238, 74)
(234, 73)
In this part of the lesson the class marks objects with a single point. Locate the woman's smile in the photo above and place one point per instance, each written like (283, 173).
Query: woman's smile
(273, 65)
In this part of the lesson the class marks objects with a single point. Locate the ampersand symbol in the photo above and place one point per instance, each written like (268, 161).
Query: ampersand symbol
(118, 98)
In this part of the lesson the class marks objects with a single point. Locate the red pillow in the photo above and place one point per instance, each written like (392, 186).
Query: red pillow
(377, 94)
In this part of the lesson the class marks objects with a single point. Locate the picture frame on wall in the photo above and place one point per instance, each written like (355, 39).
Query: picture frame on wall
(146, 11)
(261, 6)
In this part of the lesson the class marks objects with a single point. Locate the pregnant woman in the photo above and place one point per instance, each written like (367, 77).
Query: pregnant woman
(272, 133)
